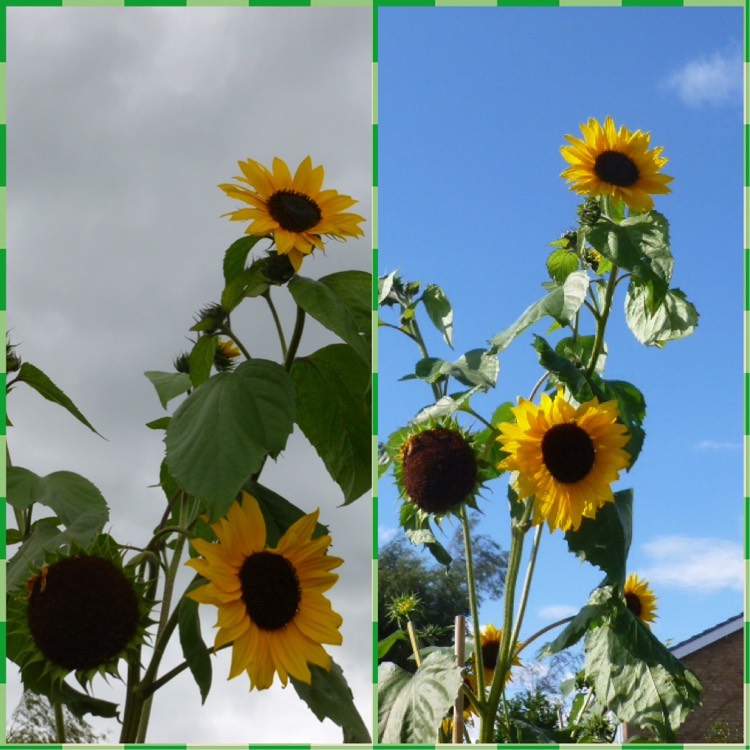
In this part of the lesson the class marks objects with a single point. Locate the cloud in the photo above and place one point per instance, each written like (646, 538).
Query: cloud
(557, 611)
(700, 564)
(385, 534)
(714, 80)
(710, 446)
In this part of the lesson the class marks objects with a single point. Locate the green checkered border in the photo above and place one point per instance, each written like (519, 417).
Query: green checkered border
(375, 5)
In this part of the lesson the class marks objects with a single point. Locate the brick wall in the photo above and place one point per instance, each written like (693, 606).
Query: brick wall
(719, 667)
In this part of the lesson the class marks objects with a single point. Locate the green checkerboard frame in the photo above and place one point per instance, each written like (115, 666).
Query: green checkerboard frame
(375, 5)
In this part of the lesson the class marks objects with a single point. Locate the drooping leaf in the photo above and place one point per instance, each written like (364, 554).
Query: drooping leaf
(604, 541)
(323, 302)
(411, 707)
(639, 244)
(169, 385)
(354, 288)
(194, 648)
(78, 506)
(440, 311)
(637, 677)
(220, 435)
(41, 383)
(389, 642)
(334, 413)
(385, 284)
(448, 405)
(562, 303)
(330, 697)
(674, 318)
(477, 367)
(416, 526)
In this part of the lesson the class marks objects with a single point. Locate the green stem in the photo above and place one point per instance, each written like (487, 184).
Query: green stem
(601, 323)
(518, 532)
(227, 331)
(267, 297)
(473, 604)
(546, 629)
(413, 640)
(527, 583)
(59, 722)
(299, 327)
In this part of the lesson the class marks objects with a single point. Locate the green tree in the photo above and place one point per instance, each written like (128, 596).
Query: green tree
(442, 592)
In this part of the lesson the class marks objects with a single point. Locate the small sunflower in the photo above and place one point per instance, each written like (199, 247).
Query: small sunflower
(270, 600)
(566, 457)
(640, 599)
(617, 163)
(490, 640)
(436, 468)
(81, 612)
(293, 209)
(225, 354)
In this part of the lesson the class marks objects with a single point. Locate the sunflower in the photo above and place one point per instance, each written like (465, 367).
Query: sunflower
(566, 457)
(82, 611)
(640, 599)
(615, 163)
(225, 354)
(293, 209)
(490, 640)
(436, 468)
(270, 600)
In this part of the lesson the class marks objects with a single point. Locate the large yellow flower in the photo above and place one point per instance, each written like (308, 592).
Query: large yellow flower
(270, 600)
(293, 209)
(615, 163)
(566, 457)
(640, 599)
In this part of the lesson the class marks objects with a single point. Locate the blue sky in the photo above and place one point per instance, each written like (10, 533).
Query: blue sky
(473, 107)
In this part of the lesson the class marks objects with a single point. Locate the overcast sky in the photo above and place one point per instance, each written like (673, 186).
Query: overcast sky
(121, 124)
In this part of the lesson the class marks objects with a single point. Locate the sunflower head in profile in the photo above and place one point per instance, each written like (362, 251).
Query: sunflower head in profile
(437, 469)
(618, 163)
(81, 612)
(640, 599)
(566, 457)
(270, 599)
(294, 210)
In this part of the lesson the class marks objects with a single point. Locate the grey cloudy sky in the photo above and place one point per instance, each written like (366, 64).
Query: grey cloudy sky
(121, 123)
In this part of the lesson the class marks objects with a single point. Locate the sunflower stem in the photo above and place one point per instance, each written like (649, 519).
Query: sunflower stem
(299, 327)
(59, 722)
(227, 331)
(601, 323)
(546, 629)
(518, 532)
(282, 339)
(527, 583)
(473, 605)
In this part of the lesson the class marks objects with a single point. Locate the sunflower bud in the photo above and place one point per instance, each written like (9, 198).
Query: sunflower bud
(278, 269)
(225, 354)
(12, 360)
(181, 363)
(210, 319)
(589, 212)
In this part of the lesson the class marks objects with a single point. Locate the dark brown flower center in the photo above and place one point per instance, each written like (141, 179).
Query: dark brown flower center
(295, 212)
(439, 469)
(490, 651)
(568, 452)
(270, 590)
(616, 169)
(634, 603)
(82, 613)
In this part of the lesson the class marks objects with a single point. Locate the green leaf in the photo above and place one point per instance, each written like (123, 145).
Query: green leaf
(416, 526)
(639, 244)
(330, 697)
(194, 648)
(385, 284)
(448, 405)
(354, 288)
(36, 379)
(440, 311)
(220, 435)
(323, 302)
(389, 642)
(590, 616)
(637, 677)
(580, 350)
(674, 318)
(334, 413)
(168, 385)
(251, 282)
(562, 303)
(202, 359)
(561, 263)
(566, 372)
(159, 424)
(411, 707)
(278, 513)
(604, 541)
(236, 256)
(77, 504)
(477, 367)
